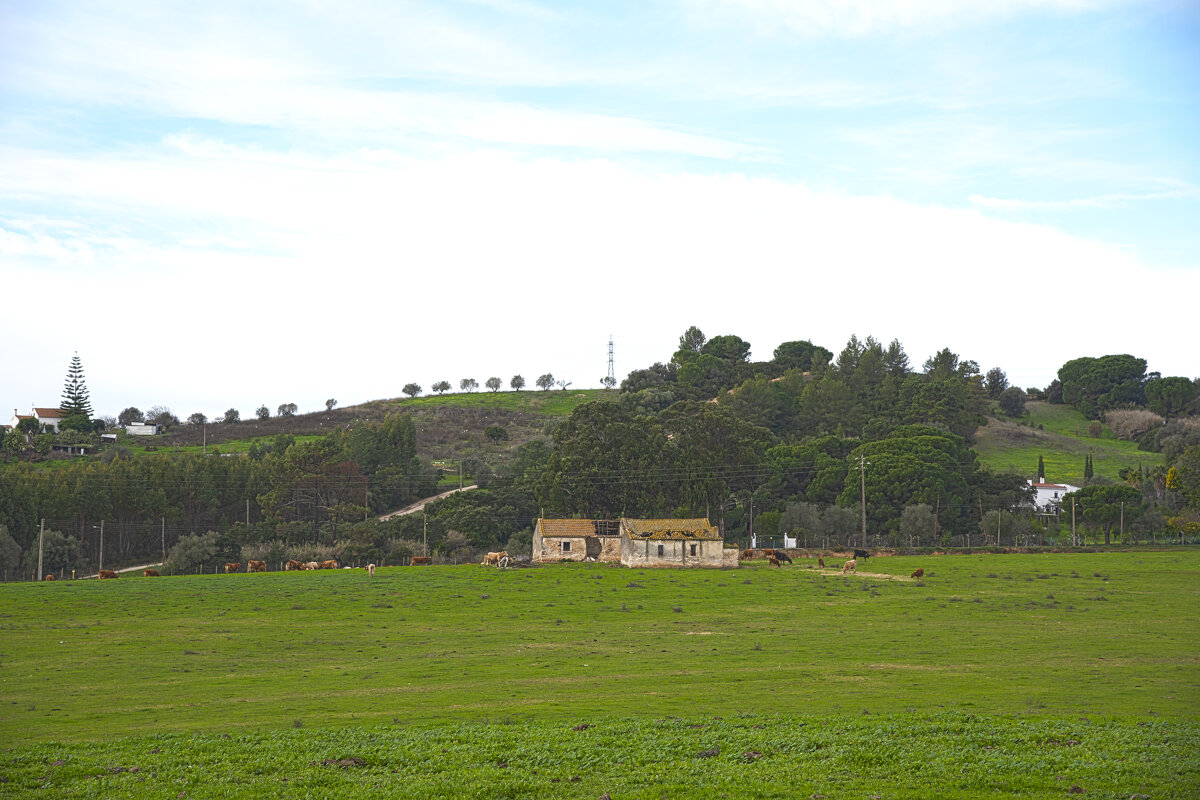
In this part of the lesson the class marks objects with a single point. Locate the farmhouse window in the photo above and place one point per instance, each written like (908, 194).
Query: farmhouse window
(693, 547)
(660, 549)
(566, 547)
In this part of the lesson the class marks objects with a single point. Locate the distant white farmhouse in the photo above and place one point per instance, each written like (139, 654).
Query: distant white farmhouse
(143, 429)
(1048, 497)
(44, 416)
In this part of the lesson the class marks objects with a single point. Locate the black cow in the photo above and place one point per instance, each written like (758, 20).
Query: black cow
(861, 554)
(782, 556)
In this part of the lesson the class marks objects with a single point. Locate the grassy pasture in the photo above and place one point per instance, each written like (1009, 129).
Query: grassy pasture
(1062, 441)
(992, 651)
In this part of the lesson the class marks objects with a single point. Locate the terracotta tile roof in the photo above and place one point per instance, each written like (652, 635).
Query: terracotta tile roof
(577, 527)
(47, 413)
(670, 529)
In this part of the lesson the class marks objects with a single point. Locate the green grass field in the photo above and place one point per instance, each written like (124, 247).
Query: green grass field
(1063, 443)
(553, 403)
(1009, 650)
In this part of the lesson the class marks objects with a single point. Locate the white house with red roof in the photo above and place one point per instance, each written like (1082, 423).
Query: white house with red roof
(44, 416)
(1048, 496)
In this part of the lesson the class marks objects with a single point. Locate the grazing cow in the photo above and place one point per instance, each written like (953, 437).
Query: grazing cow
(919, 574)
(311, 565)
(293, 564)
(49, 576)
(782, 556)
(861, 554)
(233, 566)
(494, 559)
(149, 573)
(773, 561)
(820, 562)
(371, 570)
(331, 564)
(746, 555)
(107, 573)
(256, 566)
(769, 552)
(849, 566)
(419, 560)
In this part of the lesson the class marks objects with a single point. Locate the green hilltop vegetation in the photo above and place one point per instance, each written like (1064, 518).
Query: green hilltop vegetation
(941, 455)
(997, 675)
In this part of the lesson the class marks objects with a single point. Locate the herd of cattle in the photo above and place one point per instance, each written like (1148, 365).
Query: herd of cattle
(776, 558)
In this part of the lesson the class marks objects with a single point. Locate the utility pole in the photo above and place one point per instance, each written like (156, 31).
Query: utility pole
(204, 438)
(41, 537)
(101, 562)
(862, 469)
(425, 534)
(1074, 541)
(1122, 522)
(460, 475)
(164, 539)
(247, 512)
(752, 541)
(998, 529)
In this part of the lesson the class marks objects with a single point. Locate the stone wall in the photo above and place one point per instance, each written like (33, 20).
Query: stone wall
(549, 549)
(676, 553)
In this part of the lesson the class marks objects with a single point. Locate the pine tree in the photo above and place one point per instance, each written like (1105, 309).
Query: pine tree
(1041, 473)
(75, 394)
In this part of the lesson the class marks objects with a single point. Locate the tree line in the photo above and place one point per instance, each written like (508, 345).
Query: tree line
(804, 444)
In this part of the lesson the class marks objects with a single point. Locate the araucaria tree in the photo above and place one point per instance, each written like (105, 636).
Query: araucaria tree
(75, 394)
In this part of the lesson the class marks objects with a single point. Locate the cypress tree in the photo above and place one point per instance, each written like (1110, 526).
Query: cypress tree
(1041, 473)
(75, 394)
(1087, 468)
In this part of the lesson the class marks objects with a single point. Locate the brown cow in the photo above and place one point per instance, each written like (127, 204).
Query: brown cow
(919, 574)
(371, 570)
(774, 562)
(849, 566)
(233, 566)
(746, 555)
(293, 564)
(149, 573)
(820, 562)
(331, 564)
(494, 559)
(311, 565)
(256, 566)
(106, 573)
(49, 576)
(419, 560)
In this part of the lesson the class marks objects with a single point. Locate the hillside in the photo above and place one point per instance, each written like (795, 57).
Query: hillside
(1059, 434)
(448, 426)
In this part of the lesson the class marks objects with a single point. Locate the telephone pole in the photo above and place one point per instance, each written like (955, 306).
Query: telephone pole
(41, 537)
(1074, 542)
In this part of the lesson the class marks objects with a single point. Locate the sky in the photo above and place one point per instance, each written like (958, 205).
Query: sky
(230, 204)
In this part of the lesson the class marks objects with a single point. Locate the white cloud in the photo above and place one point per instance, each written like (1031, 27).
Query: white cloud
(288, 278)
(852, 18)
(1112, 200)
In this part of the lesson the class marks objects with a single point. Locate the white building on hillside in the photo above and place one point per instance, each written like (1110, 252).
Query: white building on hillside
(44, 416)
(1048, 499)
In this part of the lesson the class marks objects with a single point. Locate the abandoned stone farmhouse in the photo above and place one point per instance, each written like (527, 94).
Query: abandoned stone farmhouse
(632, 542)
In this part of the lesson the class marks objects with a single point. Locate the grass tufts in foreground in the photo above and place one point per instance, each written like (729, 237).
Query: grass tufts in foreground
(947, 755)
